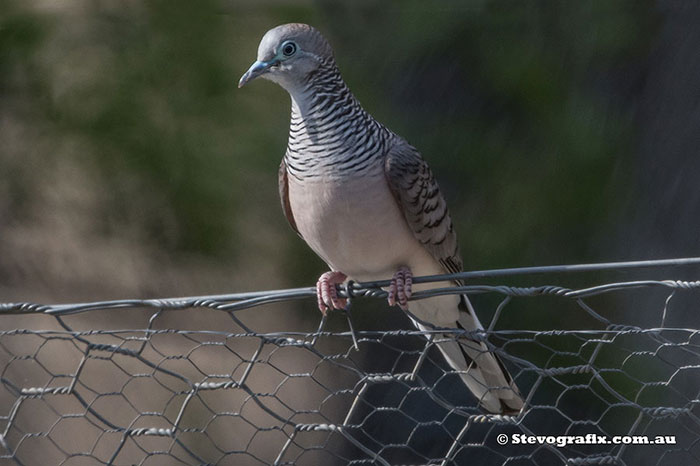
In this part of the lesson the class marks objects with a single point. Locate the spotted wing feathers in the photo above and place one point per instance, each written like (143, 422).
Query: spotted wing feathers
(419, 198)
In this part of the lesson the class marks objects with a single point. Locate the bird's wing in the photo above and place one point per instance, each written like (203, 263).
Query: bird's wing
(284, 196)
(419, 198)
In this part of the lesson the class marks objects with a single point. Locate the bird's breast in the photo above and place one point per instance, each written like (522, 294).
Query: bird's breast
(354, 224)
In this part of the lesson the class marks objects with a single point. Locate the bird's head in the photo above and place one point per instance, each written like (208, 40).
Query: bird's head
(288, 55)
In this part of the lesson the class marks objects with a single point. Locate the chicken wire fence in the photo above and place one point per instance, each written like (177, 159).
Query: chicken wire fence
(242, 379)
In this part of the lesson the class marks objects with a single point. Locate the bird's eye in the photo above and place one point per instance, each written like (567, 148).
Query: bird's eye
(289, 49)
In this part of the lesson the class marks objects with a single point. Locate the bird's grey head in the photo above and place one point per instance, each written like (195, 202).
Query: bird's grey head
(288, 55)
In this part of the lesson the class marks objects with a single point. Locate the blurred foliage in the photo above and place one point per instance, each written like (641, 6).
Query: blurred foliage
(520, 107)
(515, 105)
(21, 34)
(525, 110)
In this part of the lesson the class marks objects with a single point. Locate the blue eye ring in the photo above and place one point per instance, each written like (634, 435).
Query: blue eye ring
(288, 48)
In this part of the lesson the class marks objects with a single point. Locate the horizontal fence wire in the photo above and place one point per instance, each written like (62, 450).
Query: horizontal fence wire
(610, 373)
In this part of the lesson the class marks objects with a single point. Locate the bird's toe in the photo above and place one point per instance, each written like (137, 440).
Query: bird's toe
(400, 289)
(327, 293)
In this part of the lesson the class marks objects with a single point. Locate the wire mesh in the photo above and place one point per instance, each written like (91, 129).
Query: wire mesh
(235, 390)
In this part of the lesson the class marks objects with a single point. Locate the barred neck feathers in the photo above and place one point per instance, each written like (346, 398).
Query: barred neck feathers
(330, 134)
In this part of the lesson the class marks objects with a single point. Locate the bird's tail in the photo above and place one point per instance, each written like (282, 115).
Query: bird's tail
(482, 371)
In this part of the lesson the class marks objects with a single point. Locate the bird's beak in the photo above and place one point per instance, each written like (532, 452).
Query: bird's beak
(255, 70)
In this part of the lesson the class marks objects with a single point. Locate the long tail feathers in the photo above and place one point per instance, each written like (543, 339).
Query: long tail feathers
(482, 371)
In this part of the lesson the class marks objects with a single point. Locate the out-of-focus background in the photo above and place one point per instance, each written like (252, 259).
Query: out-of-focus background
(131, 166)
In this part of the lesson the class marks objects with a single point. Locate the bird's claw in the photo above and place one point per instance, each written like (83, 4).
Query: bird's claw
(327, 294)
(400, 288)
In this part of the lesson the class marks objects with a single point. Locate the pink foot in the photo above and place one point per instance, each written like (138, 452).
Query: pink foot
(327, 294)
(400, 288)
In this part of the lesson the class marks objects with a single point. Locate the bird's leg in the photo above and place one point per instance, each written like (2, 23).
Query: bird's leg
(327, 293)
(400, 288)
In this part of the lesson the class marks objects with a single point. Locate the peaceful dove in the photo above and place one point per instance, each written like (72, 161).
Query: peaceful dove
(367, 203)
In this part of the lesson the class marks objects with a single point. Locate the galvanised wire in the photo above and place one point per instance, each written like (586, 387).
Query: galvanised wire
(241, 396)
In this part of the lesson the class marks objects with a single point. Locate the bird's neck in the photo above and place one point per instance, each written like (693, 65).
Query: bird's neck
(330, 134)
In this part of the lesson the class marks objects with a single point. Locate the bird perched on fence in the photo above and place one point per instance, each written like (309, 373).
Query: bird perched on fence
(367, 203)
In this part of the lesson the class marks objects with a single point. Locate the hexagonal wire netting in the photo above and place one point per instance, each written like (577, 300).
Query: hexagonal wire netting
(201, 381)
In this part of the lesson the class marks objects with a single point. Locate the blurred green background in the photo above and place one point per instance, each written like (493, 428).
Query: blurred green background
(131, 165)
